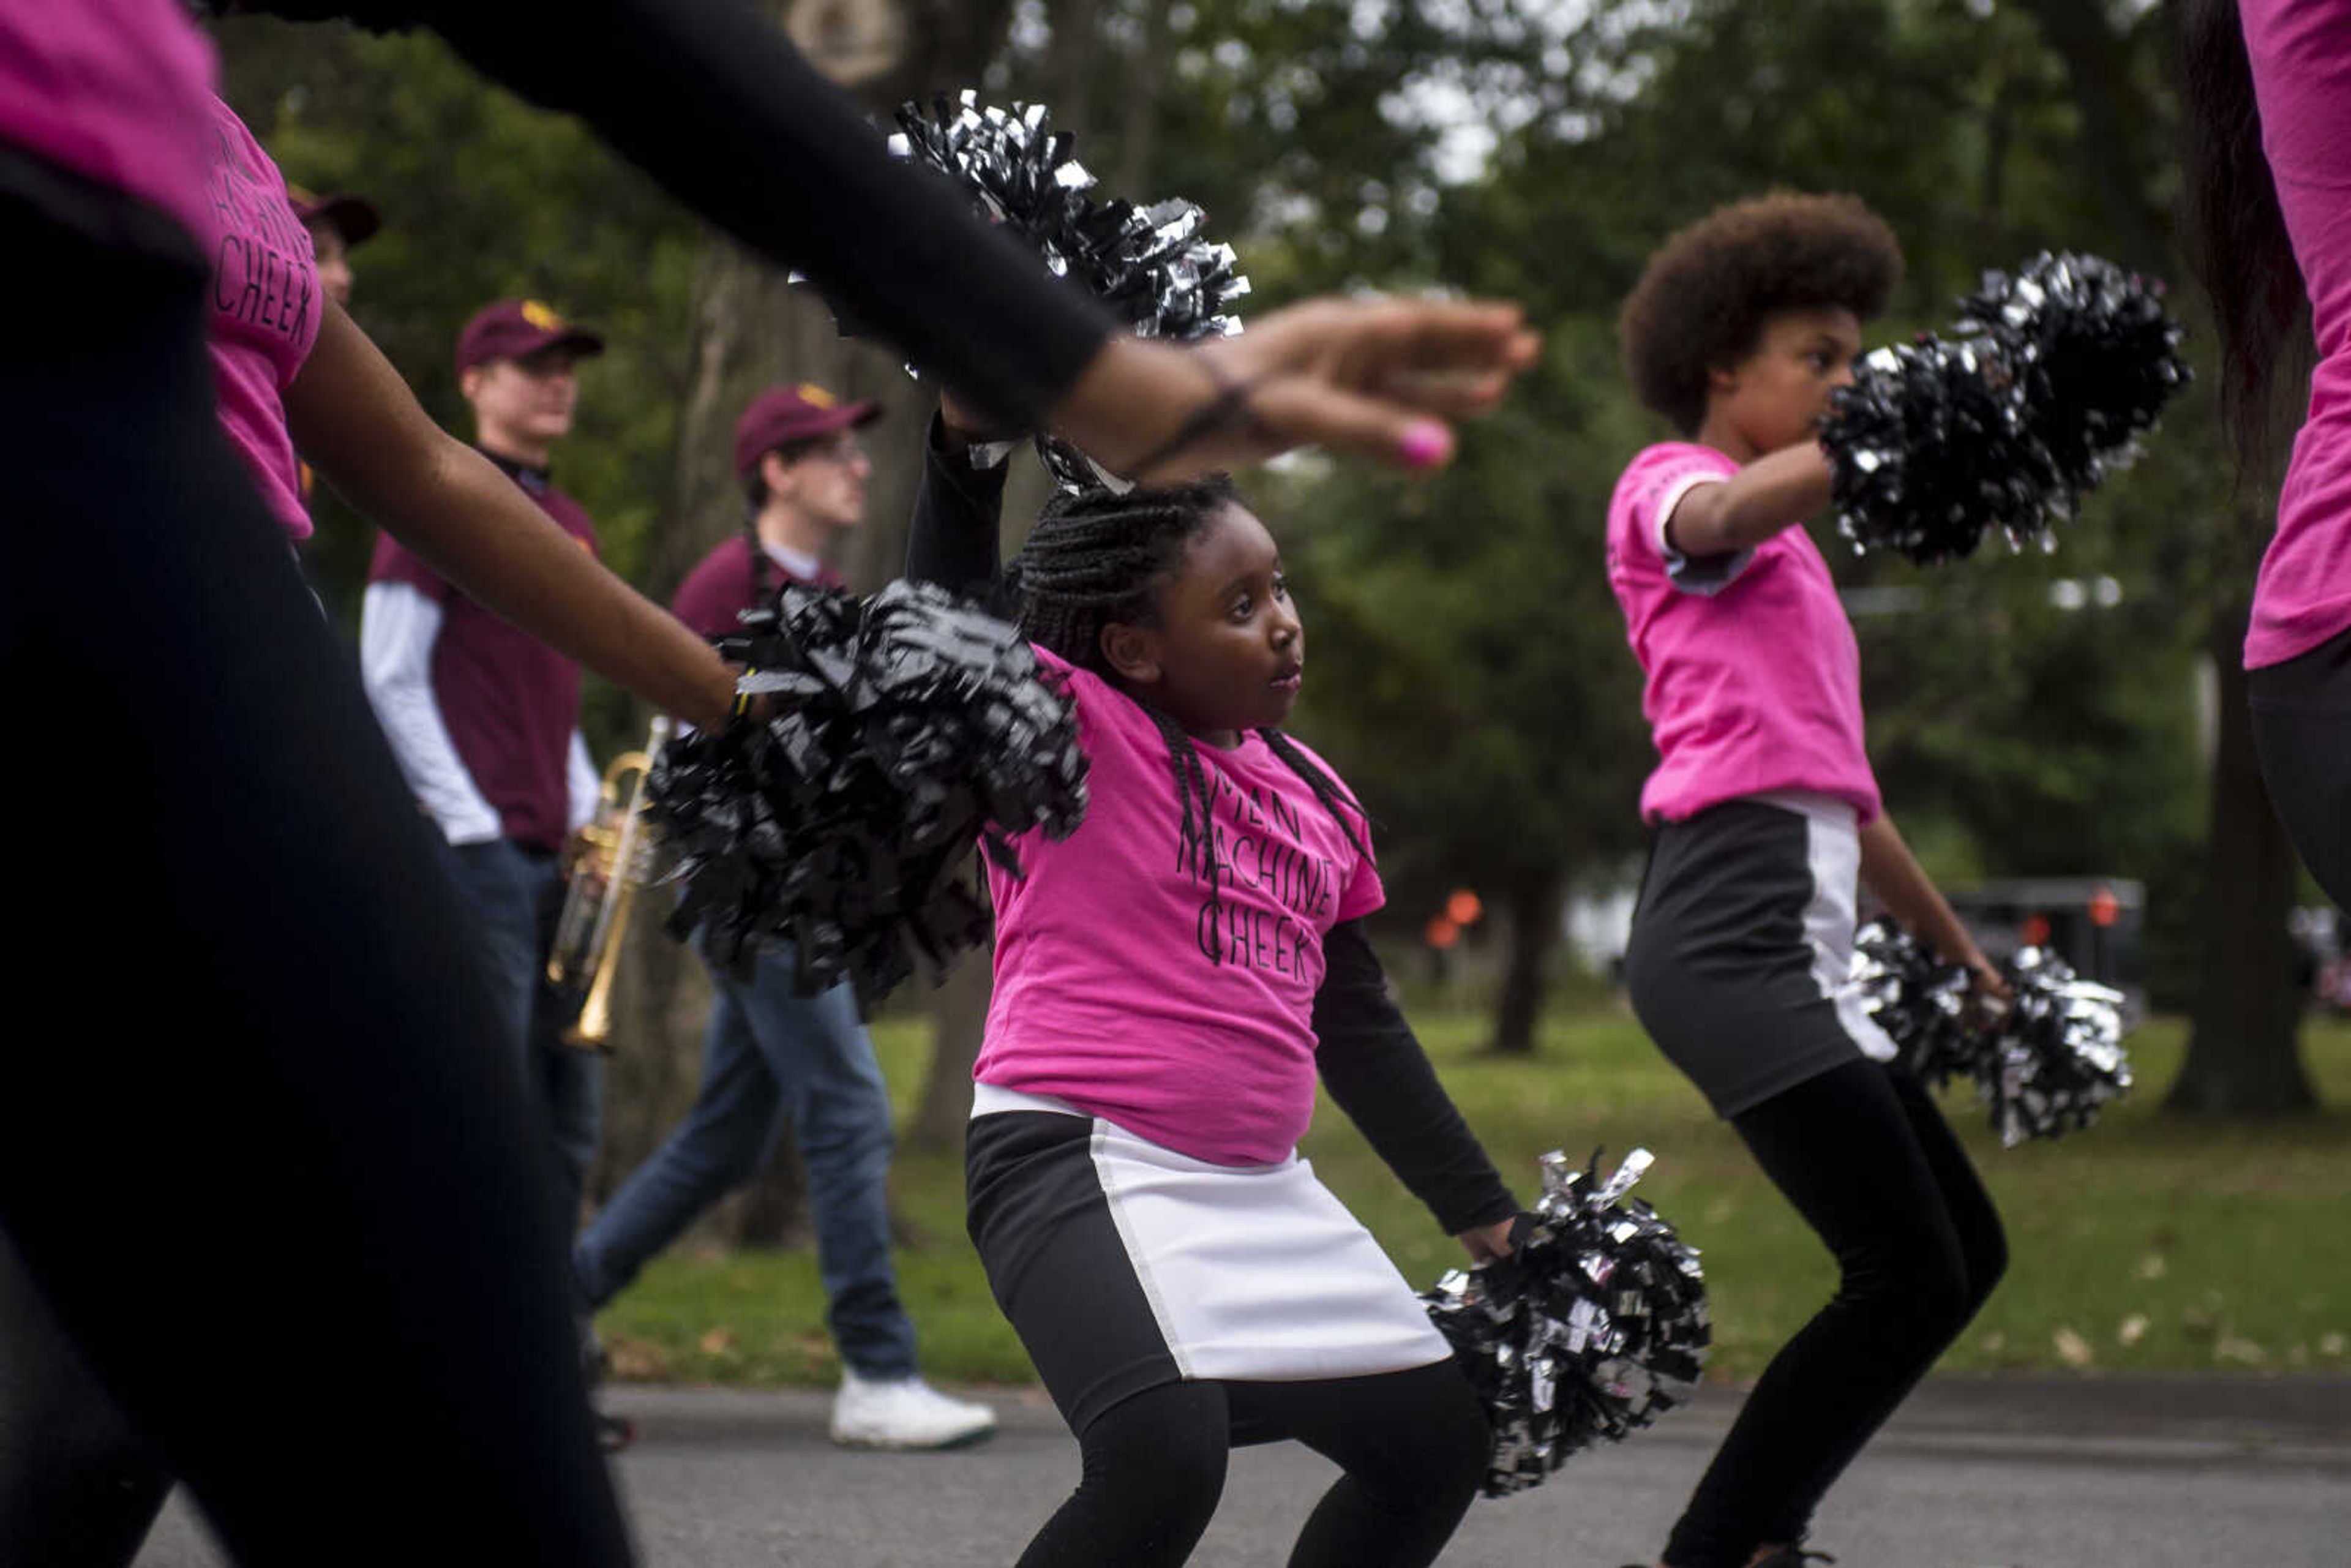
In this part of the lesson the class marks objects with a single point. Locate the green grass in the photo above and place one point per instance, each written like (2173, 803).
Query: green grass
(2149, 1243)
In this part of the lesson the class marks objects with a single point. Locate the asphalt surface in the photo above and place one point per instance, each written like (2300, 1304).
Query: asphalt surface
(2141, 1473)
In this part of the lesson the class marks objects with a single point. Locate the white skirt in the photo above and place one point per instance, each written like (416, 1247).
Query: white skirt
(1123, 1264)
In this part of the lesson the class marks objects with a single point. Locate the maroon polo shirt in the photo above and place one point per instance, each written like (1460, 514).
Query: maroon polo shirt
(721, 587)
(509, 701)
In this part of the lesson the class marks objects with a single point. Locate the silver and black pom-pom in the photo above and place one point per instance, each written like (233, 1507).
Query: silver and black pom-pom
(1931, 446)
(1150, 265)
(2057, 1055)
(2094, 353)
(2042, 1067)
(1919, 1002)
(1594, 1324)
(908, 727)
(2041, 388)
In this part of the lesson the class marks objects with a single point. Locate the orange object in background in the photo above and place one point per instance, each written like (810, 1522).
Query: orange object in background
(2033, 931)
(2105, 907)
(1463, 908)
(1442, 932)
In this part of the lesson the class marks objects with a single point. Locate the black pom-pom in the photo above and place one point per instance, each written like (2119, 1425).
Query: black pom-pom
(1930, 447)
(1594, 1324)
(2040, 390)
(2094, 353)
(907, 727)
(1149, 266)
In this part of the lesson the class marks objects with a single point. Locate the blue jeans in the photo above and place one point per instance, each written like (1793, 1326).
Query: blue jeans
(516, 894)
(771, 1058)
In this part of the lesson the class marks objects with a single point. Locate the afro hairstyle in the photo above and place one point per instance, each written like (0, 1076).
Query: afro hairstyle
(1707, 293)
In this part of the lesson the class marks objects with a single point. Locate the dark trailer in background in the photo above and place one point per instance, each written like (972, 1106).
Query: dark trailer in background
(2092, 922)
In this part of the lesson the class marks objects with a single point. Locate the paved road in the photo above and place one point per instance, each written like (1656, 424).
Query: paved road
(2006, 1474)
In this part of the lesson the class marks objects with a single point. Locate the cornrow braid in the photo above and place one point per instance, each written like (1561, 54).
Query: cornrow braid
(1097, 558)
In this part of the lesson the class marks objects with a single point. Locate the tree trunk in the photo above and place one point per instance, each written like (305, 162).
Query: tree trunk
(750, 329)
(1139, 137)
(1530, 910)
(2242, 1054)
(1066, 72)
(2110, 101)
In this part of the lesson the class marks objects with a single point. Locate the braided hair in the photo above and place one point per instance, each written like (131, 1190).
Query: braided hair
(1099, 557)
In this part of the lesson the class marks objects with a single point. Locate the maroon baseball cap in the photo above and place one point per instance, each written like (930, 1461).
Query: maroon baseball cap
(781, 416)
(516, 328)
(354, 217)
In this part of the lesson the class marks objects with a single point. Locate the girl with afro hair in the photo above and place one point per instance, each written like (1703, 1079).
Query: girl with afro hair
(1764, 814)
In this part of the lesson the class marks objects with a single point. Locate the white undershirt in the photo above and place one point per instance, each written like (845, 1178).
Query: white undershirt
(799, 563)
(399, 625)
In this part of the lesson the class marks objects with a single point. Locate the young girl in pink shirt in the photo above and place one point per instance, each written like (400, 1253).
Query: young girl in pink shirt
(1170, 980)
(1764, 812)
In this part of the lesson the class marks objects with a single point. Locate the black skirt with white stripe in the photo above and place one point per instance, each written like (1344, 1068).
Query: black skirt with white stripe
(1737, 961)
(1123, 1265)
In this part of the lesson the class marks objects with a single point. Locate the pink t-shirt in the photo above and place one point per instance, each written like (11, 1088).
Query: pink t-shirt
(1753, 678)
(1107, 995)
(116, 90)
(266, 303)
(2301, 54)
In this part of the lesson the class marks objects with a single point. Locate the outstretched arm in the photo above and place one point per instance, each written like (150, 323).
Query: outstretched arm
(711, 100)
(1378, 1074)
(1774, 492)
(361, 428)
(1890, 872)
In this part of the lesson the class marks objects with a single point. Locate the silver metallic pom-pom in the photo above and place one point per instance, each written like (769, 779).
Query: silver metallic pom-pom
(1150, 265)
(2057, 1055)
(2042, 1066)
(1594, 1323)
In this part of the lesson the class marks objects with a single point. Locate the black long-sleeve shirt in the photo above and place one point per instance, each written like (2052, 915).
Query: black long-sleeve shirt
(1370, 1060)
(713, 102)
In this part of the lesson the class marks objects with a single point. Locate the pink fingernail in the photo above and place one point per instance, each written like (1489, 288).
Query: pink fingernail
(1425, 444)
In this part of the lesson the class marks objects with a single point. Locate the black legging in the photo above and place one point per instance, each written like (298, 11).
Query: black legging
(1413, 1444)
(263, 1158)
(1869, 1161)
(79, 1485)
(2302, 723)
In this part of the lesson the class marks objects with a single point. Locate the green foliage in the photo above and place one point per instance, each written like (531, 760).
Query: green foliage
(482, 197)
(1469, 673)
(2143, 1245)
(1466, 661)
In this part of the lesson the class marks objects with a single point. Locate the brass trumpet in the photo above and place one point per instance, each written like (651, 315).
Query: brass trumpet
(604, 882)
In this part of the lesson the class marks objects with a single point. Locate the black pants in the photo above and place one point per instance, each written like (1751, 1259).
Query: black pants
(1869, 1161)
(79, 1484)
(265, 1161)
(2302, 723)
(1414, 1446)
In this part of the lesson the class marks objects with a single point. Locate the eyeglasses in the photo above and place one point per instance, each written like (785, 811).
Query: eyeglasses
(840, 449)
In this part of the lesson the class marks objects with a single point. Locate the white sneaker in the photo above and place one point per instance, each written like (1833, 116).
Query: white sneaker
(905, 1413)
